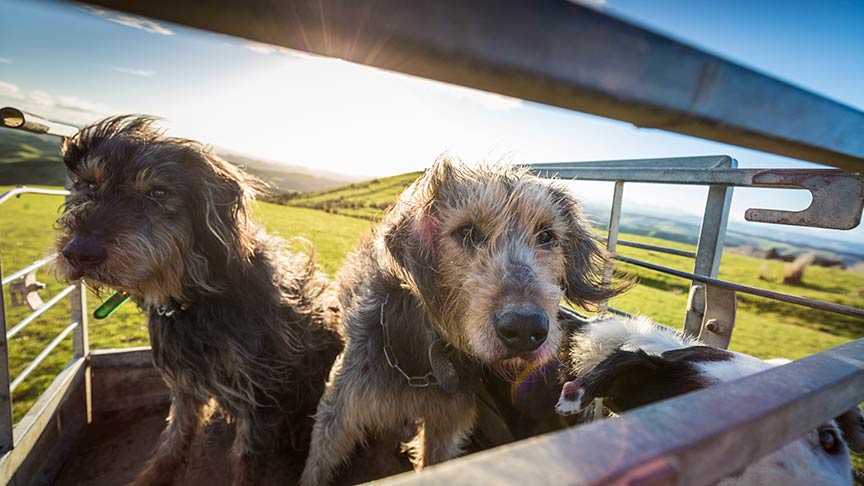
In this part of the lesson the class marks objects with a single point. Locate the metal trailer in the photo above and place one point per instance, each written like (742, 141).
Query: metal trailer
(561, 54)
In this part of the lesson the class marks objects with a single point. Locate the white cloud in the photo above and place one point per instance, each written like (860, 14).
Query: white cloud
(267, 49)
(595, 4)
(490, 101)
(135, 72)
(133, 21)
(10, 90)
(44, 100)
(5, 60)
(75, 103)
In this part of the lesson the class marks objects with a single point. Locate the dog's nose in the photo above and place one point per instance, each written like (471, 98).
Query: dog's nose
(84, 251)
(522, 328)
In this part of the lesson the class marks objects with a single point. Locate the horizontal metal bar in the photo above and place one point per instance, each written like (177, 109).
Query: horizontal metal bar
(696, 162)
(41, 356)
(30, 190)
(769, 294)
(11, 117)
(552, 52)
(667, 175)
(677, 441)
(29, 268)
(661, 249)
(38, 312)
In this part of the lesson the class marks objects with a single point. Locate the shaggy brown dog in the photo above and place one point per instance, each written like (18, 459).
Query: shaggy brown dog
(464, 274)
(233, 315)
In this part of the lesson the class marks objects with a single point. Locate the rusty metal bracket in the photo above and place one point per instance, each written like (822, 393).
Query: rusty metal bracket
(838, 198)
(25, 290)
(721, 305)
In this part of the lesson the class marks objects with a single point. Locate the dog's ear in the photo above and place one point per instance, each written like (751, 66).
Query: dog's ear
(628, 379)
(851, 425)
(223, 200)
(586, 259)
(410, 235)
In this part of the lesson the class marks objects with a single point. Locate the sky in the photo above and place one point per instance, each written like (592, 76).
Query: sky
(77, 64)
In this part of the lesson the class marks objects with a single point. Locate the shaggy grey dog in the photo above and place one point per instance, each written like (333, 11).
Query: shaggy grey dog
(235, 318)
(464, 275)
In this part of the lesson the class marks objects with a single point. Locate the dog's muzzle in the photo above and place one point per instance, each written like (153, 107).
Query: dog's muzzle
(522, 328)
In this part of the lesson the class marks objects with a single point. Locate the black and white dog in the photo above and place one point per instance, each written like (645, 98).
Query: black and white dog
(634, 362)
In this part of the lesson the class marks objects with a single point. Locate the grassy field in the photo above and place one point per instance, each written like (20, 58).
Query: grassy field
(764, 328)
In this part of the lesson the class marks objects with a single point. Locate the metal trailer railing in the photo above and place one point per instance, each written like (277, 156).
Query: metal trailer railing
(17, 440)
(561, 54)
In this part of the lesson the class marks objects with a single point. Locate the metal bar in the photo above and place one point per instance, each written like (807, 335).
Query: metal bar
(709, 251)
(552, 52)
(695, 162)
(30, 190)
(41, 356)
(81, 336)
(29, 268)
(677, 441)
(38, 312)
(768, 294)
(21, 120)
(39, 418)
(612, 235)
(672, 175)
(6, 437)
(661, 249)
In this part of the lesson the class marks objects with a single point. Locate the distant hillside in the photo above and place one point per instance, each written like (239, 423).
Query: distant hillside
(35, 160)
(30, 159)
(366, 200)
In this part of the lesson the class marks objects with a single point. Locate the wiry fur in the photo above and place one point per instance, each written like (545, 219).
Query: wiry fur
(634, 362)
(426, 282)
(255, 325)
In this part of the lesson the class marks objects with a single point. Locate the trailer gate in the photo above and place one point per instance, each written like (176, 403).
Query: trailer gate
(558, 53)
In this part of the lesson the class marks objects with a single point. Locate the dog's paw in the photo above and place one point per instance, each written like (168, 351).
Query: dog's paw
(570, 401)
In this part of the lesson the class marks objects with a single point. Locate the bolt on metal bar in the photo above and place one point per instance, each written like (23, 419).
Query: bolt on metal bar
(41, 357)
(38, 312)
(11, 117)
(30, 190)
(6, 438)
(29, 268)
(709, 251)
(769, 294)
(661, 249)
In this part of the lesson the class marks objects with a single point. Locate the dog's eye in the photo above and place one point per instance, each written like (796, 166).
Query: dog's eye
(468, 235)
(829, 441)
(546, 238)
(157, 193)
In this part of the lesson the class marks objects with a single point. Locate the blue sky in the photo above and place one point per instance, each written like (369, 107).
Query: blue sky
(78, 64)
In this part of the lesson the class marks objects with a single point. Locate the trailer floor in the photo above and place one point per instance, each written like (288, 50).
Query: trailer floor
(113, 449)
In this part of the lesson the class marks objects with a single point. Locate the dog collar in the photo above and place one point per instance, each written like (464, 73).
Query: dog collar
(170, 310)
(443, 373)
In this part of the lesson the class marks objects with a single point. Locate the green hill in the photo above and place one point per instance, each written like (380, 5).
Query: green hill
(30, 159)
(366, 200)
(27, 159)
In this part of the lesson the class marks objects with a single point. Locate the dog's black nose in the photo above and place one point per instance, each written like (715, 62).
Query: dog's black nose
(522, 328)
(84, 251)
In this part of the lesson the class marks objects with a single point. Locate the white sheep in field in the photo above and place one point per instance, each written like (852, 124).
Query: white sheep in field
(634, 362)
